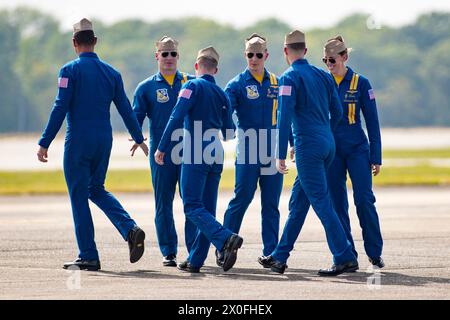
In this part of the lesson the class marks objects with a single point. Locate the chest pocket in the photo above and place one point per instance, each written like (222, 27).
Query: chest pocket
(351, 98)
(273, 92)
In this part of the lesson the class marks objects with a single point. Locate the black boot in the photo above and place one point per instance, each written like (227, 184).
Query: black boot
(230, 249)
(219, 258)
(170, 260)
(337, 269)
(188, 267)
(377, 262)
(136, 238)
(266, 261)
(278, 267)
(90, 265)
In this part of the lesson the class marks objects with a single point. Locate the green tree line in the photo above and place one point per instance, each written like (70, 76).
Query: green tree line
(409, 66)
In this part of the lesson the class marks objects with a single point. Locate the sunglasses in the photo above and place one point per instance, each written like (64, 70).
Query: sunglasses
(331, 60)
(251, 54)
(165, 54)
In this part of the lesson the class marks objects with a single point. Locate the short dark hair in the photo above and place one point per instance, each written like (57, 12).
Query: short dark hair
(298, 46)
(208, 63)
(85, 37)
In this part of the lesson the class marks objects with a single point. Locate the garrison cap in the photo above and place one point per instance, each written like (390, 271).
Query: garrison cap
(255, 43)
(82, 25)
(167, 44)
(335, 46)
(295, 36)
(208, 52)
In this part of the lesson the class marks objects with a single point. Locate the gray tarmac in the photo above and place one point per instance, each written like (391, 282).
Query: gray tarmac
(36, 237)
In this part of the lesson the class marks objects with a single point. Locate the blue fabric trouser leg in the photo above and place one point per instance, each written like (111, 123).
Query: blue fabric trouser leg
(164, 180)
(361, 176)
(85, 166)
(201, 244)
(314, 155)
(298, 209)
(247, 176)
(271, 187)
(200, 182)
(337, 183)
(246, 181)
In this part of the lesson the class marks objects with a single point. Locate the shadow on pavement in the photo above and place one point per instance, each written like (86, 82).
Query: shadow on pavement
(386, 278)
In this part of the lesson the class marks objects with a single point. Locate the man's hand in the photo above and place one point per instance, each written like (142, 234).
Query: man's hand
(143, 146)
(42, 154)
(159, 157)
(292, 154)
(376, 168)
(281, 166)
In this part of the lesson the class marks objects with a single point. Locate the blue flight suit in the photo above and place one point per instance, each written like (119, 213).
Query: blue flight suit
(355, 155)
(201, 103)
(155, 98)
(307, 98)
(255, 105)
(87, 86)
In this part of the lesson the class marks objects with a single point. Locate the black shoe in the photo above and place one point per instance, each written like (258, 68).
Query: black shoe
(170, 260)
(377, 262)
(80, 264)
(278, 266)
(186, 266)
(230, 249)
(136, 238)
(337, 269)
(219, 258)
(266, 261)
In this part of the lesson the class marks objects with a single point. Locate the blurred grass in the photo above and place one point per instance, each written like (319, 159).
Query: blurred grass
(417, 153)
(52, 182)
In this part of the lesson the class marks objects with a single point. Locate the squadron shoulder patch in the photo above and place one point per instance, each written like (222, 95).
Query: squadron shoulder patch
(371, 94)
(252, 92)
(162, 96)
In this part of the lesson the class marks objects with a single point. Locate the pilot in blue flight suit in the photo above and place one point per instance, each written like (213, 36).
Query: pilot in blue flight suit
(205, 109)
(155, 98)
(253, 95)
(86, 88)
(308, 99)
(354, 154)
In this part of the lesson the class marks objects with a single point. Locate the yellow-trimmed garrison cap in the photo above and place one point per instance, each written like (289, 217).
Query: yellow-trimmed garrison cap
(167, 44)
(335, 46)
(255, 43)
(295, 36)
(82, 25)
(208, 52)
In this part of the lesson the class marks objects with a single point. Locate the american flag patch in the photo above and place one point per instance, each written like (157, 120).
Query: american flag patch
(63, 82)
(285, 90)
(371, 94)
(185, 93)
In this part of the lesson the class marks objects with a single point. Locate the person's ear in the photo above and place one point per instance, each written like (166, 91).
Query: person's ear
(306, 50)
(95, 41)
(217, 70)
(196, 66)
(345, 57)
(266, 56)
